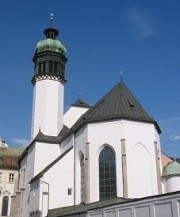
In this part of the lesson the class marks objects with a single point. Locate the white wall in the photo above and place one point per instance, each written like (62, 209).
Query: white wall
(35, 196)
(99, 135)
(67, 143)
(140, 153)
(61, 177)
(27, 165)
(45, 153)
(81, 139)
(54, 184)
(73, 114)
(141, 159)
(39, 156)
(48, 105)
(172, 183)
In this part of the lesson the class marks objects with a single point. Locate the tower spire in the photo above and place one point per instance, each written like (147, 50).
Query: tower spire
(48, 81)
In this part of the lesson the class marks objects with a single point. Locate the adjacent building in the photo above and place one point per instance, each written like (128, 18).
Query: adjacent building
(9, 174)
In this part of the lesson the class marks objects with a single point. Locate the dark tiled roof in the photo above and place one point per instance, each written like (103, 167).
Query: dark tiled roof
(9, 162)
(53, 139)
(81, 103)
(118, 103)
(7, 151)
(9, 157)
(83, 208)
(64, 132)
(45, 138)
(39, 138)
(176, 159)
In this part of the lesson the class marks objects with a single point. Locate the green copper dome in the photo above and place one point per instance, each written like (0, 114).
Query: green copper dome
(172, 168)
(50, 57)
(49, 44)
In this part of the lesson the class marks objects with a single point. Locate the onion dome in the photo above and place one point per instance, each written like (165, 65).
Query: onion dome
(51, 43)
(50, 58)
(172, 168)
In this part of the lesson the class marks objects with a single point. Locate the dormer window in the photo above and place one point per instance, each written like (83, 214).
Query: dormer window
(132, 105)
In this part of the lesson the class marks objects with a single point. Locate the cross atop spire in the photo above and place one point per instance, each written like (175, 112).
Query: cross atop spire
(121, 75)
(51, 19)
(79, 95)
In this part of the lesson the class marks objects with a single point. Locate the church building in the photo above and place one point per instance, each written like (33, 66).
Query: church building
(88, 153)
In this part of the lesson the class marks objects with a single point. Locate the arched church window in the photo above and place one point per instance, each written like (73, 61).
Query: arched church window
(5, 206)
(82, 178)
(107, 174)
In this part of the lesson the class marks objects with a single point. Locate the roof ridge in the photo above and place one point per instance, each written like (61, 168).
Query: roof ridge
(81, 103)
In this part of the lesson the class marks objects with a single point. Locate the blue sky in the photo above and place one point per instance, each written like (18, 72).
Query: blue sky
(103, 37)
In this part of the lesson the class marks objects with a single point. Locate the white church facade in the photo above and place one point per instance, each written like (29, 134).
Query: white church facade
(89, 153)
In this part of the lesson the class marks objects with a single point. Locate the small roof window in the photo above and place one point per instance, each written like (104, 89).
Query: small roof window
(132, 105)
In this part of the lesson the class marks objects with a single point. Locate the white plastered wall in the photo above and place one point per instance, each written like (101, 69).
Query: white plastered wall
(73, 114)
(81, 139)
(140, 156)
(27, 165)
(45, 153)
(172, 183)
(35, 196)
(39, 156)
(99, 135)
(60, 178)
(48, 105)
(54, 184)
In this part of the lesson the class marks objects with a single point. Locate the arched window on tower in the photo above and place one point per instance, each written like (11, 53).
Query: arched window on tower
(50, 67)
(39, 68)
(107, 173)
(44, 67)
(82, 178)
(5, 206)
(55, 68)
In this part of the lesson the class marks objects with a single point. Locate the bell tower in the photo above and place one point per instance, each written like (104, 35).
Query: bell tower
(48, 82)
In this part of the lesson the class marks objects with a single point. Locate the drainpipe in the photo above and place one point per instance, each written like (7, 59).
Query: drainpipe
(48, 185)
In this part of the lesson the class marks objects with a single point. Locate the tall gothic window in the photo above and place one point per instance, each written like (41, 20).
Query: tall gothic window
(82, 179)
(5, 206)
(107, 174)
